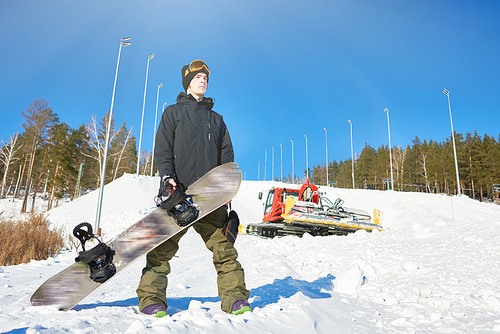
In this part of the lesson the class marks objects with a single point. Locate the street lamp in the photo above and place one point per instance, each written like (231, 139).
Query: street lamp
(390, 147)
(326, 144)
(258, 170)
(272, 164)
(293, 172)
(352, 155)
(160, 85)
(151, 56)
(265, 164)
(447, 93)
(307, 162)
(281, 171)
(123, 42)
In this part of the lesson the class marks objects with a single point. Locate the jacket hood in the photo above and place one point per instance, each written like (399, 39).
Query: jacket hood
(184, 98)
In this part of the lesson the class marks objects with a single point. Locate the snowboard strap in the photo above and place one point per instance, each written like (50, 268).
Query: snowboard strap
(99, 259)
(83, 235)
(100, 262)
(180, 207)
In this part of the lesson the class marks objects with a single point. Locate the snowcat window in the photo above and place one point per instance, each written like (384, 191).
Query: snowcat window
(288, 193)
(269, 202)
(307, 194)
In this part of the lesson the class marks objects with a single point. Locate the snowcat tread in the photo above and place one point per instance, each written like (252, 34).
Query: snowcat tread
(332, 229)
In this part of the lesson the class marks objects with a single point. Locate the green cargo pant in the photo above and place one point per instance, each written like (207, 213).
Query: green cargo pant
(230, 276)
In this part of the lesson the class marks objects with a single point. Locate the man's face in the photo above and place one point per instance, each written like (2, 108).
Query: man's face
(198, 85)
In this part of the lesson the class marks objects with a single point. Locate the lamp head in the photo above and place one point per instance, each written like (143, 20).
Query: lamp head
(124, 42)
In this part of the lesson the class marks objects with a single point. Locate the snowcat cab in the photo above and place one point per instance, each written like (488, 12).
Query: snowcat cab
(274, 206)
(275, 203)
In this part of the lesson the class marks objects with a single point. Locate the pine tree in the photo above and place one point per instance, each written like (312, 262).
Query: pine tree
(366, 164)
(39, 118)
(434, 151)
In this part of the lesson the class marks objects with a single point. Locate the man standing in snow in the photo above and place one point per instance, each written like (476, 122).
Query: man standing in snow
(191, 140)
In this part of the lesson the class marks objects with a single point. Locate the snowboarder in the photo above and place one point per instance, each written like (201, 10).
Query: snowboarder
(191, 140)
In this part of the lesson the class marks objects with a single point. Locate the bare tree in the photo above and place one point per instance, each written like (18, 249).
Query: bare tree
(38, 181)
(7, 156)
(128, 135)
(398, 162)
(96, 140)
(22, 168)
(145, 161)
(423, 161)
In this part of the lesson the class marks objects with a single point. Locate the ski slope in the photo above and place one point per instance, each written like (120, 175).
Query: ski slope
(434, 270)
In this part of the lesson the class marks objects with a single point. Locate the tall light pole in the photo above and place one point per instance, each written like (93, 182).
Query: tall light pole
(293, 172)
(447, 93)
(151, 56)
(265, 164)
(272, 164)
(281, 171)
(160, 85)
(352, 155)
(390, 147)
(123, 42)
(258, 170)
(307, 161)
(326, 144)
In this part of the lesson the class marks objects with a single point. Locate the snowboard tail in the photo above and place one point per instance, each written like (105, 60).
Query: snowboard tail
(67, 288)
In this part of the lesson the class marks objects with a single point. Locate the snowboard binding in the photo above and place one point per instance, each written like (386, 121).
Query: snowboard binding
(99, 259)
(179, 206)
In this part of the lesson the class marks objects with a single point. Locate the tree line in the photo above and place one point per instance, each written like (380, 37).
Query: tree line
(427, 166)
(51, 159)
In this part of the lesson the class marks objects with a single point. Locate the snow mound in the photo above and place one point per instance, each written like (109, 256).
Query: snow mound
(433, 270)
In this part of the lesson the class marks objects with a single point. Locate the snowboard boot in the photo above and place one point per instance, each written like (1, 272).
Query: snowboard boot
(240, 307)
(158, 310)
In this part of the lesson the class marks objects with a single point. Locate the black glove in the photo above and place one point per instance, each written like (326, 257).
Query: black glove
(230, 230)
(167, 187)
(168, 181)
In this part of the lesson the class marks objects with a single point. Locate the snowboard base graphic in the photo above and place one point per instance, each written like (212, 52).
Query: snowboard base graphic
(67, 288)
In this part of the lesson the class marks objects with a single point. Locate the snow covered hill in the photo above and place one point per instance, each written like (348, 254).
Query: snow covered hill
(435, 270)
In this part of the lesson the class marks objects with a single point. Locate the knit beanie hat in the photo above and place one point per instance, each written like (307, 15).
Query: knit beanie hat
(189, 71)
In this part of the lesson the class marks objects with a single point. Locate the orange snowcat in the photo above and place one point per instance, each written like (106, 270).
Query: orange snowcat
(293, 211)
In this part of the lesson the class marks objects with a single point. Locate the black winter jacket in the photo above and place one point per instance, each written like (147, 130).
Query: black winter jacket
(191, 140)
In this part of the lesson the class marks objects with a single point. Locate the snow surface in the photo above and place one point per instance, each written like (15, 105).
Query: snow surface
(435, 270)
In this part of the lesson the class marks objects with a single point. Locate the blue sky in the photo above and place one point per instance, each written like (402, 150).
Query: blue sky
(280, 69)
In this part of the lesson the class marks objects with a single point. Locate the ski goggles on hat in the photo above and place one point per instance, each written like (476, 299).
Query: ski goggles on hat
(196, 66)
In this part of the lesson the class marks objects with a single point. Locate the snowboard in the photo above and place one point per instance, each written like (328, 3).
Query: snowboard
(67, 288)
